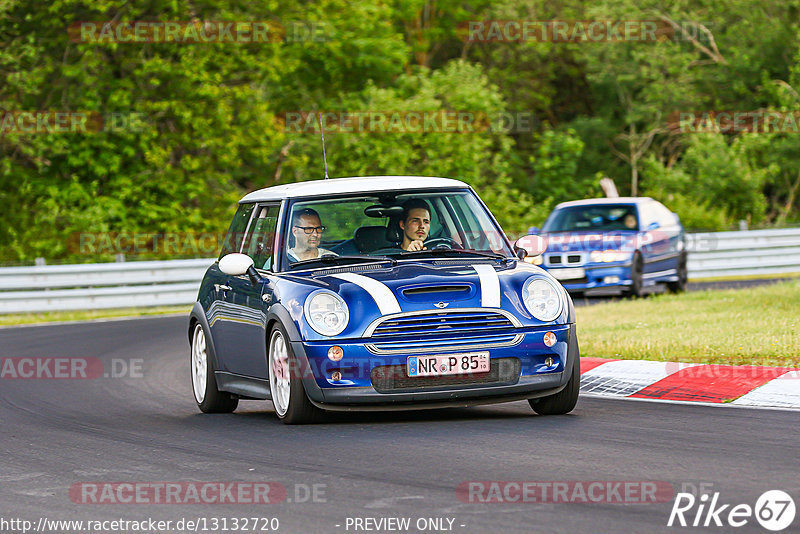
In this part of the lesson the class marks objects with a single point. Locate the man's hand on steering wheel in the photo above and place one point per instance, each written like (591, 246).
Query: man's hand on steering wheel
(416, 245)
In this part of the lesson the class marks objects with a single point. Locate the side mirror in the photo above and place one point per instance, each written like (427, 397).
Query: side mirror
(531, 245)
(235, 264)
(653, 226)
(533, 230)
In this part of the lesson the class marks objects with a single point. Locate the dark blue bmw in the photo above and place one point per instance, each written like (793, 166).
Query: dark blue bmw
(620, 244)
(378, 293)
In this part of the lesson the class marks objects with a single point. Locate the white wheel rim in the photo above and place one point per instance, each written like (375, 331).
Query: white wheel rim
(279, 373)
(199, 364)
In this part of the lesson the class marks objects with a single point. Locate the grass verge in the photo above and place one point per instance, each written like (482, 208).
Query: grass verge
(50, 317)
(753, 326)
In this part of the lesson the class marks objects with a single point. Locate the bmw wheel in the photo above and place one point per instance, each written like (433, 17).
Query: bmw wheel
(637, 272)
(286, 387)
(683, 277)
(204, 384)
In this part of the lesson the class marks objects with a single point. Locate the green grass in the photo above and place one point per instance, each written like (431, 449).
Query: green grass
(747, 277)
(753, 326)
(49, 317)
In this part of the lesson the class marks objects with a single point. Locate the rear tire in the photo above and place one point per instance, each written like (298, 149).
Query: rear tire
(565, 400)
(683, 277)
(285, 385)
(204, 383)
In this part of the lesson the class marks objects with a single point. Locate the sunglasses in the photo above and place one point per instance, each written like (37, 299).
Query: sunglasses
(308, 230)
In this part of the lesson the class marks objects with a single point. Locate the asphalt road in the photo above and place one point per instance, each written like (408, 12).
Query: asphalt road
(146, 428)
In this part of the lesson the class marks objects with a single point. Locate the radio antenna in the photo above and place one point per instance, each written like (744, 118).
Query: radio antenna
(322, 133)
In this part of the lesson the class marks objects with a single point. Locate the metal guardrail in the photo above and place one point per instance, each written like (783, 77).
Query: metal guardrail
(100, 285)
(747, 253)
(176, 282)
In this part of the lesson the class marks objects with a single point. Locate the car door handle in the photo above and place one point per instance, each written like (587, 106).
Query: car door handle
(222, 287)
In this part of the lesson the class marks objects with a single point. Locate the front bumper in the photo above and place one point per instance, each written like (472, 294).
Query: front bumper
(355, 391)
(599, 276)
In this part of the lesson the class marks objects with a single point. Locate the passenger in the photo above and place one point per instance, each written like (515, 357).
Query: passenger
(415, 224)
(630, 221)
(307, 230)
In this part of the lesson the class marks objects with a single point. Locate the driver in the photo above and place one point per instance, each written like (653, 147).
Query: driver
(307, 230)
(415, 224)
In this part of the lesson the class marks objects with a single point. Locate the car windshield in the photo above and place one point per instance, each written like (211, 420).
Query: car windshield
(391, 227)
(592, 218)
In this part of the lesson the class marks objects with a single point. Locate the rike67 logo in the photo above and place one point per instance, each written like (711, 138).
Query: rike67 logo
(774, 510)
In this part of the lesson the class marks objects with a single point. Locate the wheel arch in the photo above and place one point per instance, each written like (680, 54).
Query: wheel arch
(198, 316)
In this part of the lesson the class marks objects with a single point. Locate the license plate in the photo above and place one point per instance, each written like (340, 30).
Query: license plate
(448, 364)
(568, 274)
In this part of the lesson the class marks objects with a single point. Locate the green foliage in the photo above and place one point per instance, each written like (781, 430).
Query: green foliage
(711, 169)
(208, 117)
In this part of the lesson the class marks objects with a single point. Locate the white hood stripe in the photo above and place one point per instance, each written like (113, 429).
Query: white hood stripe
(383, 296)
(490, 285)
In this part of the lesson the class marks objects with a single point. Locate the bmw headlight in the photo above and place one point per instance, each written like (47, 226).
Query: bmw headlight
(542, 298)
(326, 312)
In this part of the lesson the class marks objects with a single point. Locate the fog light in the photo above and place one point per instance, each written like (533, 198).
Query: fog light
(336, 376)
(549, 339)
(335, 353)
(548, 362)
(611, 279)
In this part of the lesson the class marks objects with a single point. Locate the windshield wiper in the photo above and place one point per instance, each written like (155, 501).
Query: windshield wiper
(438, 251)
(334, 260)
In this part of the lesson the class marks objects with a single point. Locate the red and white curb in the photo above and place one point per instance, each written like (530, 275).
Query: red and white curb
(741, 385)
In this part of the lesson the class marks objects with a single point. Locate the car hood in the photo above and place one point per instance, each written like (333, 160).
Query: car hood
(371, 291)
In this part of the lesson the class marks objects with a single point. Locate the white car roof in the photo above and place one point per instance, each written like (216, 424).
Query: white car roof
(594, 201)
(359, 184)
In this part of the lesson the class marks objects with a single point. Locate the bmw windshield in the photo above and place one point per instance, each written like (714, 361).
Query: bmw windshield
(597, 218)
(391, 227)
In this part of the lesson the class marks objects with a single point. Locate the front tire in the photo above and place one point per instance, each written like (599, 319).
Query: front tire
(683, 277)
(204, 383)
(286, 388)
(637, 276)
(565, 400)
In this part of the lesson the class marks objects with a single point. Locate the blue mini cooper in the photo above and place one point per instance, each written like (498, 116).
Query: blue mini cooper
(378, 293)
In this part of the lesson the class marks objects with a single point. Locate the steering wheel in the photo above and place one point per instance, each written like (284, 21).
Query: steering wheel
(442, 243)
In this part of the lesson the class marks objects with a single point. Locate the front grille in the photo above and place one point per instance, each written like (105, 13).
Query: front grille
(395, 379)
(565, 259)
(435, 324)
(445, 344)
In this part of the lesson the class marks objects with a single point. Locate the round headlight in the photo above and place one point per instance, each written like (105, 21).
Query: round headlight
(542, 298)
(326, 312)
